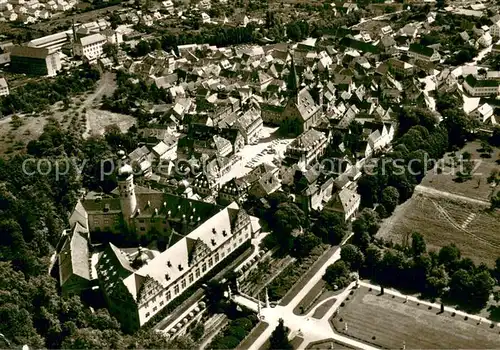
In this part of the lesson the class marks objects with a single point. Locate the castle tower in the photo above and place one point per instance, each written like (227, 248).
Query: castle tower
(128, 201)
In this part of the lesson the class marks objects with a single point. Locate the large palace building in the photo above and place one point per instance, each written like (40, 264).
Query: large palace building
(136, 282)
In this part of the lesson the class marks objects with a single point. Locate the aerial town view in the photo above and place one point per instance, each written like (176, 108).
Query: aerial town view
(249, 174)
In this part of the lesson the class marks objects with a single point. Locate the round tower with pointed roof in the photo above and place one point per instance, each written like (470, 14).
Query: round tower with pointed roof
(125, 177)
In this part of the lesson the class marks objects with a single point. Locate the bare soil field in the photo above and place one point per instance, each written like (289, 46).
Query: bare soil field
(98, 119)
(389, 322)
(477, 187)
(442, 221)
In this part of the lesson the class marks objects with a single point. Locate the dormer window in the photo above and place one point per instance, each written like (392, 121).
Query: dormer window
(224, 233)
(167, 277)
(169, 264)
(213, 231)
(213, 242)
(180, 267)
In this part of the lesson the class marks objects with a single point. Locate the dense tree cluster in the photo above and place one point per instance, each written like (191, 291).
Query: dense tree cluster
(38, 95)
(393, 178)
(337, 274)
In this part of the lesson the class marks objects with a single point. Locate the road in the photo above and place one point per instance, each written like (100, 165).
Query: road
(311, 329)
(431, 192)
(105, 87)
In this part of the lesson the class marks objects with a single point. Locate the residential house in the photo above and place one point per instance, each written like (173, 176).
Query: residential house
(378, 134)
(166, 149)
(485, 40)
(306, 148)
(478, 88)
(250, 125)
(90, 47)
(209, 140)
(493, 75)
(424, 53)
(346, 202)
(495, 29)
(235, 190)
(168, 5)
(484, 114)
(387, 44)
(4, 88)
(312, 189)
(401, 68)
(10, 15)
(140, 159)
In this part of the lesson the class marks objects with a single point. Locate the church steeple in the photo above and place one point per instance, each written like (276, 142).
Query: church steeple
(293, 80)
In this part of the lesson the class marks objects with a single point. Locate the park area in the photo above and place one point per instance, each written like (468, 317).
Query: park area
(388, 321)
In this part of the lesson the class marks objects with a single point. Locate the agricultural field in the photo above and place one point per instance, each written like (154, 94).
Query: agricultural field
(475, 230)
(475, 188)
(389, 322)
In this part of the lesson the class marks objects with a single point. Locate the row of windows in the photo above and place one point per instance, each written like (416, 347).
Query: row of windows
(197, 274)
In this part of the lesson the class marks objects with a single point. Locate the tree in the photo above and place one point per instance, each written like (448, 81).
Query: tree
(330, 227)
(381, 211)
(155, 45)
(214, 293)
(482, 287)
(418, 246)
(459, 126)
(436, 281)
(495, 138)
(337, 274)
(111, 50)
(449, 255)
(304, 244)
(365, 227)
(288, 217)
(352, 255)
(368, 188)
(390, 198)
(279, 337)
(143, 48)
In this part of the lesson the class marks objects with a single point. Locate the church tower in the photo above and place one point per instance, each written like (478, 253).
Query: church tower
(128, 201)
(293, 81)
